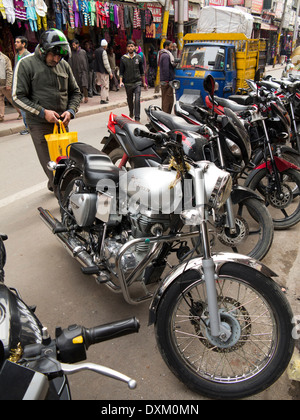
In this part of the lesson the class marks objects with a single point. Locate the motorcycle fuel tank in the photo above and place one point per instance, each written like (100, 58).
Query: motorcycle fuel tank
(156, 189)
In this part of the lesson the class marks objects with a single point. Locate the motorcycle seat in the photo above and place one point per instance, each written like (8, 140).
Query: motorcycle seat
(140, 143)
(95, 165)
(173, 122)
(231, 104)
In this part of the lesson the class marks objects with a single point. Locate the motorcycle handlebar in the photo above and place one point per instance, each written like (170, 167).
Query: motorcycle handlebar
(112, 330)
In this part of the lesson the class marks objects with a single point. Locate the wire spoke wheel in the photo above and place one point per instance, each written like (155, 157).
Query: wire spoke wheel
(247, 361)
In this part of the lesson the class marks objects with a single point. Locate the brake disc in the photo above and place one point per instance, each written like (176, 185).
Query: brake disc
(281, 202)
(241, 233)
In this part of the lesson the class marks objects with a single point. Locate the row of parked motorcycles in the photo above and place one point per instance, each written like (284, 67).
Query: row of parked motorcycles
(179, 212)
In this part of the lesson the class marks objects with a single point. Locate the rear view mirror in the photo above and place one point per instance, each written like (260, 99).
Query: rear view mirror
(209, 84)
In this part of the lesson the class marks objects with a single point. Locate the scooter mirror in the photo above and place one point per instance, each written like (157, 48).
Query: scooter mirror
(257, 75)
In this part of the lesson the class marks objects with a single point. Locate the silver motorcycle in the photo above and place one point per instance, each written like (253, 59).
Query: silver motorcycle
(222, 324)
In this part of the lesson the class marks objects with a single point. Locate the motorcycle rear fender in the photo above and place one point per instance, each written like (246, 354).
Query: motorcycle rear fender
(196, 265)
(61, 167)
(110, 144)
(240, 194)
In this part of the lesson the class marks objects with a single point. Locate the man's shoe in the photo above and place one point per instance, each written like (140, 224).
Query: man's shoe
(103, 102)
(23, 132)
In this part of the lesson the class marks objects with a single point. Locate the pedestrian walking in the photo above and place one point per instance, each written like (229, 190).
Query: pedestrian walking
(80, 67)
(45, 88)
(21, 43)
(167, 65)
(132, 73)
(6, 78)
(103, 71)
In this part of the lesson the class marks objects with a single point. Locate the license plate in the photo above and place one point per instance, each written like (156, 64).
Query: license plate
(200, 73)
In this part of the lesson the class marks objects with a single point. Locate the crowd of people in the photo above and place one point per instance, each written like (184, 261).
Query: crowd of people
(97, 71)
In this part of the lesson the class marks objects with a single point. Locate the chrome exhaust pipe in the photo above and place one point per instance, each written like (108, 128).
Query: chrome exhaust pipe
(70, 243)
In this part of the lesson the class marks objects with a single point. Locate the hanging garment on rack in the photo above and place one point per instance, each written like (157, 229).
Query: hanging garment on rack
(71, 14)
(20, 10)
(136, 18)
(116, 18)
(106, 9)
(2, 10)
(10, 11)
(41, 11)
(93, 13)
(31, 14)
(100, 12)
(86, 13)
(76, 14)
(121, 17)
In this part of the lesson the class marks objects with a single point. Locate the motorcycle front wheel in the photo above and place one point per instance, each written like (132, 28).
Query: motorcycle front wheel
(285, 210)
(258, 350)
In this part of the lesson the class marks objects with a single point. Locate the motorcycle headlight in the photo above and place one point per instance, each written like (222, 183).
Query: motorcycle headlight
(217, 185)
(234, 148)
(213, 188)
(175, 84)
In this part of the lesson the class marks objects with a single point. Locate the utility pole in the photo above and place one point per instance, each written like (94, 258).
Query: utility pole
(279, 33)
(295, 35)
(180, 25)
(163, 38)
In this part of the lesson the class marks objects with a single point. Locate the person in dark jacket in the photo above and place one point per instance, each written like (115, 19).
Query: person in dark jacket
(80, 67)
(167, 65)
(45, 88)
(132, 76)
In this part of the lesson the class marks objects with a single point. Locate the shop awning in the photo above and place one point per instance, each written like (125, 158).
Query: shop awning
(268, 27)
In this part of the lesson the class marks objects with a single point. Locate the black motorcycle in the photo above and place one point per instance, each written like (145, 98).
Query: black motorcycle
(35, 367)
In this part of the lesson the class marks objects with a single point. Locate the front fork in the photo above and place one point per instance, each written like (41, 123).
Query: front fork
(275, 172)
(209, 270)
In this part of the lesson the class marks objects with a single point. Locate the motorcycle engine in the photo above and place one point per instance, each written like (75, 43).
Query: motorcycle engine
(142, 225)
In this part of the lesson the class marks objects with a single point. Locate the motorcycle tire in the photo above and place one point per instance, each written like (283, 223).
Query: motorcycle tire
(256, 354)
(254, 231)
(116, 155)
(282, 219)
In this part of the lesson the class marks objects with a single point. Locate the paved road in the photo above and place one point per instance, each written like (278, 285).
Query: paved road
(47, 276)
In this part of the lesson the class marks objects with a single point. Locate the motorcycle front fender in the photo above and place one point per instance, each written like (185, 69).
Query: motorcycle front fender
(281, 164)
(196, 264)
(240, 194)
